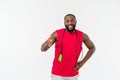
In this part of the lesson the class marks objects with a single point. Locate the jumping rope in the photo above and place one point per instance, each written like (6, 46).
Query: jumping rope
(60, 56)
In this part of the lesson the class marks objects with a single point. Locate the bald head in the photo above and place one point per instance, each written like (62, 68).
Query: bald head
(70, 15)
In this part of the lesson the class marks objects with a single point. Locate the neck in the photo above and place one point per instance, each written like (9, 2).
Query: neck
(70, 32)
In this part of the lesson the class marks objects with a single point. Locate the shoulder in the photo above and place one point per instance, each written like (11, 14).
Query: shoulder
(60, 30)
(85, 37)
(57, 32)
(79, 31)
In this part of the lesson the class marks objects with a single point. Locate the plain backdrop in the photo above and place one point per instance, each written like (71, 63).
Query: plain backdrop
(26, 24)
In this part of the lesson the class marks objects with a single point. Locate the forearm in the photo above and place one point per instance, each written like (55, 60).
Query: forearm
(91, 49)
(47, 44)
(88, 55)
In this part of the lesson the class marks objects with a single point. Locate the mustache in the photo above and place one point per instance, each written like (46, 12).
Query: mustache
(69, 29)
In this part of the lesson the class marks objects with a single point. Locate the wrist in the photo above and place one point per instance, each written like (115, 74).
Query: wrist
(80, 63)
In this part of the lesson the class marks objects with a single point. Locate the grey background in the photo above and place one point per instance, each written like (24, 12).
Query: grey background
(26, 24)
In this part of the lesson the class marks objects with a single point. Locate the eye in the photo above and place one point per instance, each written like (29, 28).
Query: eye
(67, 21)
(72, 20)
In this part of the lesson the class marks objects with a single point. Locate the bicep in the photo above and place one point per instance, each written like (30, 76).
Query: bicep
(52, 39)
(49, 42)
(87, 41)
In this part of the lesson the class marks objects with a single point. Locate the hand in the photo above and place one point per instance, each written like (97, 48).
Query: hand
(78, 65)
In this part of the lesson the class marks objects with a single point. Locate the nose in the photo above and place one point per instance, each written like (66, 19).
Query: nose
(69, 23)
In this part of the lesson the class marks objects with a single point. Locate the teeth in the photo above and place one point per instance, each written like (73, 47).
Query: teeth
(70, 26)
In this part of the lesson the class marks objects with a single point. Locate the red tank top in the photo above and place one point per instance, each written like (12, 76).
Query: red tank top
(71, 48)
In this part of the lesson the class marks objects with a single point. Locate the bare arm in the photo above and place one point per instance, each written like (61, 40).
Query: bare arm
(49, 42)
(89, 44)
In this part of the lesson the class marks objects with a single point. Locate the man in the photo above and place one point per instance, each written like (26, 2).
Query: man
(68, 46)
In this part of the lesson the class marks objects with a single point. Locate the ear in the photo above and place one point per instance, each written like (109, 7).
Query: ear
(76, 21)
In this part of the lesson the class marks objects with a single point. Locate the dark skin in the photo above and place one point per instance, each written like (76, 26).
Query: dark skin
(70, 22)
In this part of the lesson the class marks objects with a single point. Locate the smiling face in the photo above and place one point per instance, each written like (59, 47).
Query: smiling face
(70, 22)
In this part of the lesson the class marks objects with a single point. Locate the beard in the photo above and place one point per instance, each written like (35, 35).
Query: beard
(70, 30)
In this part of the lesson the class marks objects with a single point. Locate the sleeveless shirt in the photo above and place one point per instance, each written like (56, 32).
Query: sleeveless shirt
(71, 46)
